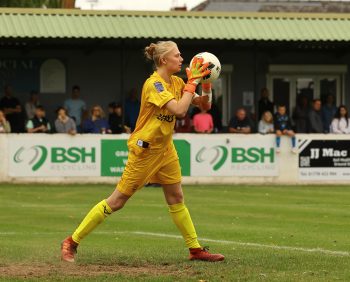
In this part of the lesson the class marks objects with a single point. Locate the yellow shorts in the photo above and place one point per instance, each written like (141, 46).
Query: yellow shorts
(144, 166)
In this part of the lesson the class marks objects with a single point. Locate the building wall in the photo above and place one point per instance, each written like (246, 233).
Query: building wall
(108, 75)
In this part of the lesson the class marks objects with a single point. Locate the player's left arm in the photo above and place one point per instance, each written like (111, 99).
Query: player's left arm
(204, 101)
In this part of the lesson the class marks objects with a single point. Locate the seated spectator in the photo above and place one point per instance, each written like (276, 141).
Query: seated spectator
(96, 123)
(300, 114)
(5, 126)
(240, 123)
(203, 122)
(115, 120)
(315, 123)
(328, 112)
(63, 123)
(183, 125)
(38, 124)
(31, 105)
(266, 123)
(283, 127)
(341, 122)
(13, 110)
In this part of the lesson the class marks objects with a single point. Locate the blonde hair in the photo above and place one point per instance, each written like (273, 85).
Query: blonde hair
(267, 117)
(157, 51)
(102, 113)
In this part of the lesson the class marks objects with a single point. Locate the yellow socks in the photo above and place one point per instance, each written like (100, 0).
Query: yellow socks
(96, 215)
(183, 221)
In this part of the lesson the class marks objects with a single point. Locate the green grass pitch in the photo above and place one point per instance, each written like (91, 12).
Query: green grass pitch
(279, 233)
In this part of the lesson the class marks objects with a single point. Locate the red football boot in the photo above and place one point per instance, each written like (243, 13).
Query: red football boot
(203, 254)
(68, 249)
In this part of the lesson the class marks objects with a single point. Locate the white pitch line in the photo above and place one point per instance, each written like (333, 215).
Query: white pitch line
(276, 247)
(227, 242)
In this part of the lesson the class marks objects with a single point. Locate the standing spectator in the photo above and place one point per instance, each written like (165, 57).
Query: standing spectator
(240, 123)
(300, 114)
(132, 109)
(341, 122)
(203, 122)
(328, 111)
(264, 103)
(75, 107)
(38, 124)
(63, 123)
(5, 126)
(216, 114)
(183, 125)
(31, 105)
(12, 109)
(315, 123)
(115, 120)
(283, 127)
(266, 123)
(97, 122)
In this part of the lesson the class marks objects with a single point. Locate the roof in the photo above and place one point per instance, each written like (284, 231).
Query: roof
(58, 23)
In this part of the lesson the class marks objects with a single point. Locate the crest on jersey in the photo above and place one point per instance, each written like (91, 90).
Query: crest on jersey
(159, 86)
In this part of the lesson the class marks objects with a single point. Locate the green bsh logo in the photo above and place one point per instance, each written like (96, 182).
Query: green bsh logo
(252, 155)
(58, 155)
(219, 158)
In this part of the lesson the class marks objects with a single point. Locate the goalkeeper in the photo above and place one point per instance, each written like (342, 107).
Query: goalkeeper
(152, 155)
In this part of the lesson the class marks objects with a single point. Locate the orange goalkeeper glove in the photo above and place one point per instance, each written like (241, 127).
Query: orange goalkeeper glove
(195, 74)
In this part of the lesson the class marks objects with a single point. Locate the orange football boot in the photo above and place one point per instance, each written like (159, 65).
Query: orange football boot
(68, 249)
(203, 254)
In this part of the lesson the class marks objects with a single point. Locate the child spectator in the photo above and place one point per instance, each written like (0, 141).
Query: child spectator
(341, 122)
(96, 123)
(38, 124)
(283, 127)
(203, 122)
(266, 123)
(4, 124)
(63, 123)
(240, 123)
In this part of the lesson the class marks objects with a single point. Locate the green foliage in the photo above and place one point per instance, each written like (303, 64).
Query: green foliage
(31, 3)
(35, 218)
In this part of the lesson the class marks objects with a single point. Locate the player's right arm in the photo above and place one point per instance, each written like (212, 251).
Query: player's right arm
(194, 76)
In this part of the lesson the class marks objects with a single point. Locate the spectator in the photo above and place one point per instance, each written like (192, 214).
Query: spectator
(216, 114)
(31, 105)
(203, 122)
(97, 123)
(300, 114)
(328, 111)
(63, 123)
(13, 110)
(341, 122)
(38, 124)
(183, 125)
(315, 123)
(264, 103)
(75, 107)
(5, 126)
(132, 108)
(283, 127)
(240, 123)
(266, 123)
(115, 119)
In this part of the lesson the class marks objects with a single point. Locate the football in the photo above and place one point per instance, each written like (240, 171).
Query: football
(214, 66)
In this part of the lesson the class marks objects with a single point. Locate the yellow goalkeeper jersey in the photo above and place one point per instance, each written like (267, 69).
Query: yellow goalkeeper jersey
(155, 124)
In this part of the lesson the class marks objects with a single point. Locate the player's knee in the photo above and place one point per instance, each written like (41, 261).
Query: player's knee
(116, 204)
